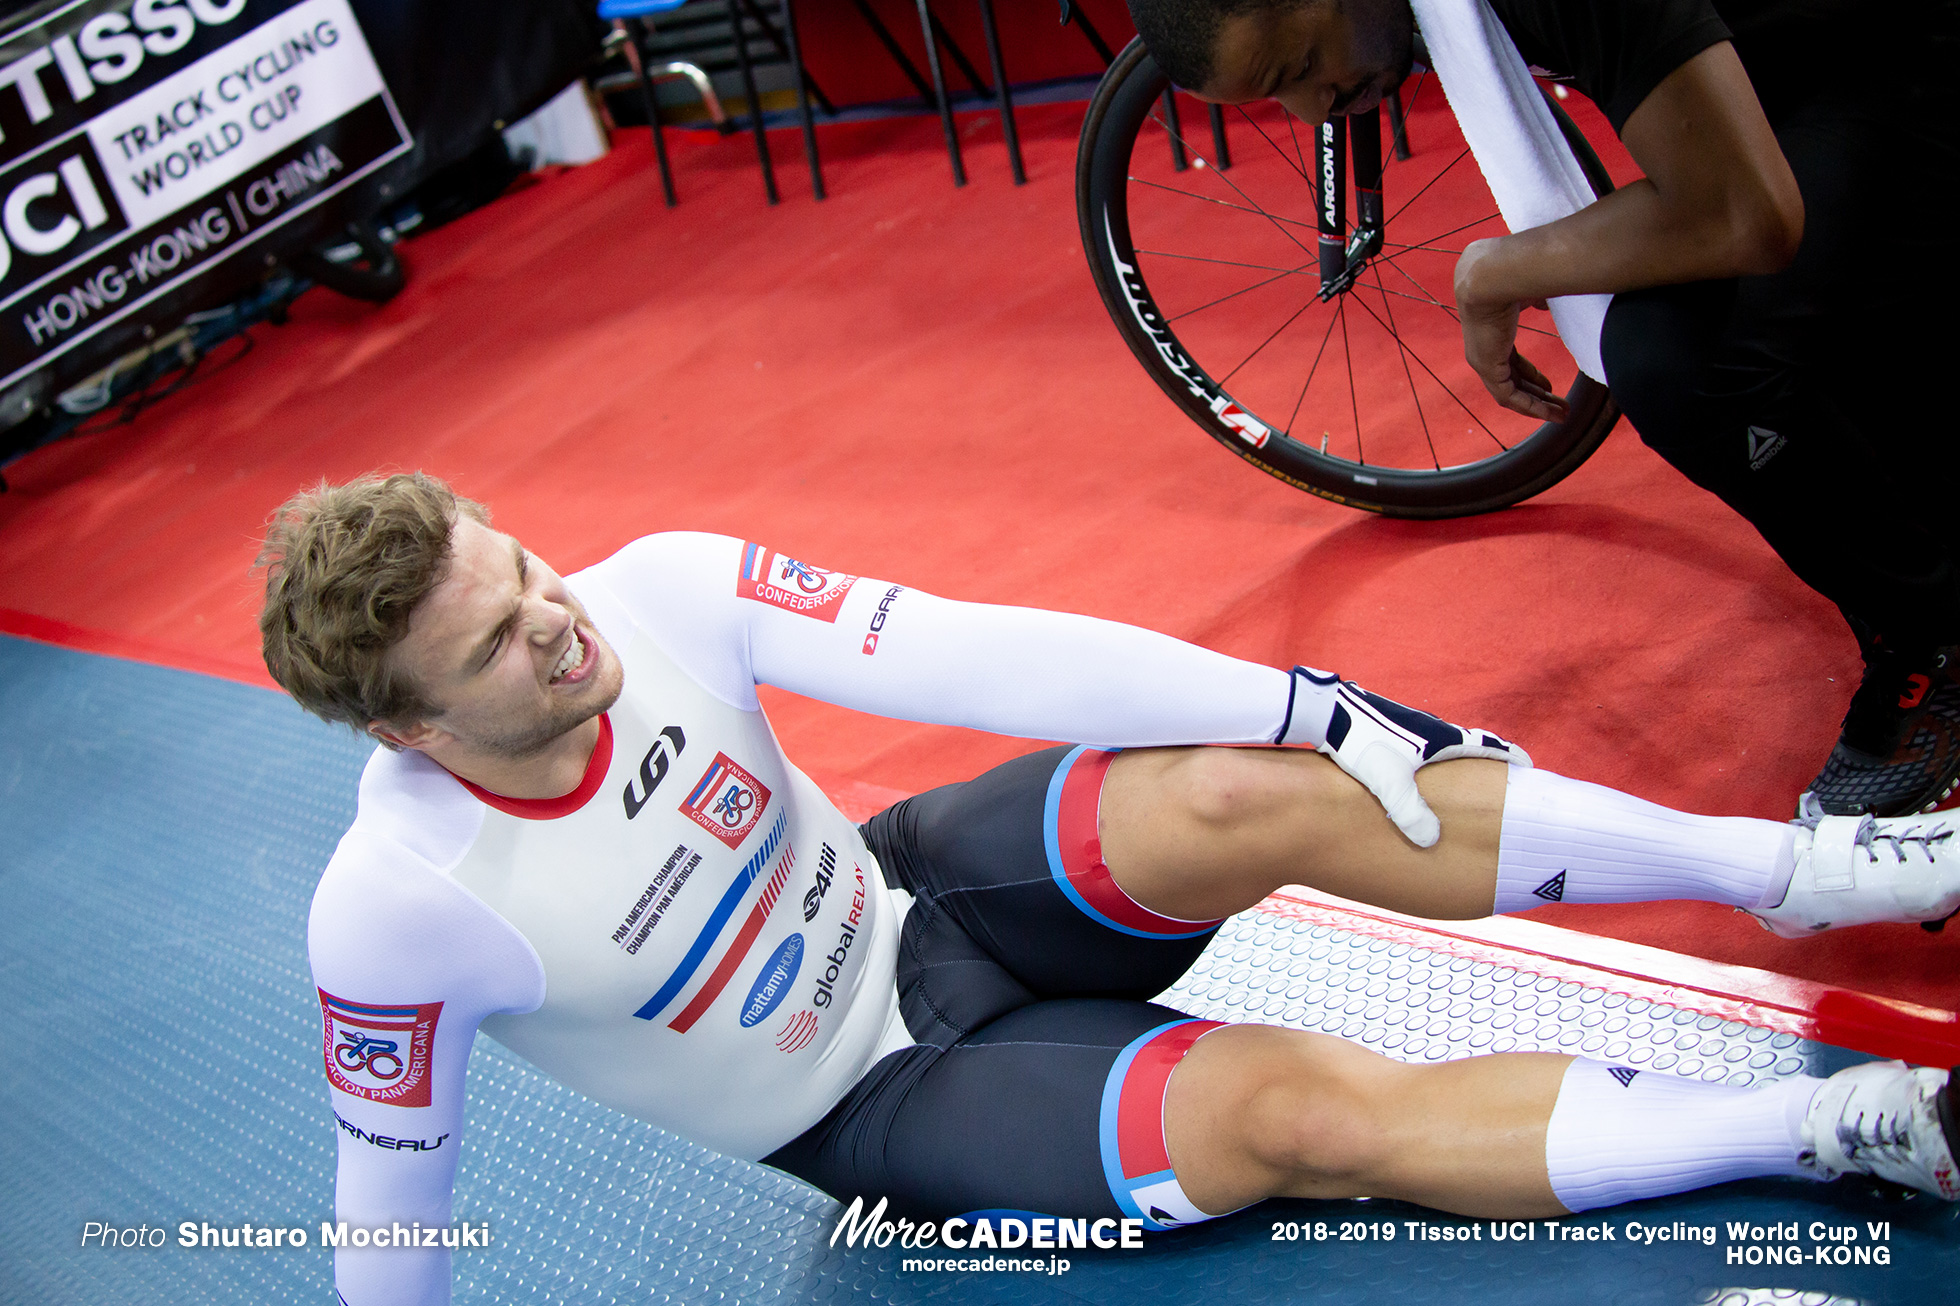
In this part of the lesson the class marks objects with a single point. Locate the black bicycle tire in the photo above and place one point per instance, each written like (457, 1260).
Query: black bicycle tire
(1531, 466)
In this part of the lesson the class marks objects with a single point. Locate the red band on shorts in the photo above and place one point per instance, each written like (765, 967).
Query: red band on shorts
(1140, 1146)
(1079, 847)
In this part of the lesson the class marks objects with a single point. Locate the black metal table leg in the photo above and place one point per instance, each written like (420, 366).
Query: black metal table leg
(896, 51)
(1398, 128)
(926, 24)
(803, 99)
(735, 22)
(634, 57)
(1002, 96)
(1091, 35)
(1221, 149)
(1176, 130)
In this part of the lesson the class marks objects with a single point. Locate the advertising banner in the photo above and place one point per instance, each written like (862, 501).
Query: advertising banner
(143, 142)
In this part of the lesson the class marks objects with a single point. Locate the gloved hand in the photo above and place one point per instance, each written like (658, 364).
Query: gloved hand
(1383, 744)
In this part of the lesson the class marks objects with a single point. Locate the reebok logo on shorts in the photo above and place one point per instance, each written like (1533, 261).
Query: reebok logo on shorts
(769, 577)
(1763, 446)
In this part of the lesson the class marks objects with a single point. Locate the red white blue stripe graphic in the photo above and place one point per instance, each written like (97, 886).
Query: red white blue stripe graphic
(1135, 1157)
(1075, 852)
(755, 562)
(744, 940)
(697, 951)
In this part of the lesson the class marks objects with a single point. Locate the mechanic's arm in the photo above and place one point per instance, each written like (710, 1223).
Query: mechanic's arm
(1718, 201)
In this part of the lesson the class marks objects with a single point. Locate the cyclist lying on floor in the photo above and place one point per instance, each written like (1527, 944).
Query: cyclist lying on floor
(1745, 277)
(581, 836)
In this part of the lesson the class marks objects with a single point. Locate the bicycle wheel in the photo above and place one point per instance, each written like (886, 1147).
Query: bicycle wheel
(1358, 392)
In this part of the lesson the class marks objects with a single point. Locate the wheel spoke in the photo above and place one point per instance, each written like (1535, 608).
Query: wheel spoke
(1293, 130)
(1445, 235)
(1268, 340)
(1257, 208)
(1278, 149)
(1354, 404)
(1244, 290)
(1463, 154)
(1403, 350)
(1410, 249)
(1425, 296)
(1306, 385)
(1222, 262)
(1212, 199)
(1439, 381)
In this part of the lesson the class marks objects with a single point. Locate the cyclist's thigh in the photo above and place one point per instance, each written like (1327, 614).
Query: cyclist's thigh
(1055, 1108)
(1013, 860)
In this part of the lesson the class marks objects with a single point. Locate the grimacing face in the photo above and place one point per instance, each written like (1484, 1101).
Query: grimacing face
(1319, 59)
(505, 651)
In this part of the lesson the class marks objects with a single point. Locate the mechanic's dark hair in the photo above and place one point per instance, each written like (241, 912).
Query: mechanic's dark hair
(1180, 33)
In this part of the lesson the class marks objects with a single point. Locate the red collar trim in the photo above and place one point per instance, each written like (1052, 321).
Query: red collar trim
(550, 809)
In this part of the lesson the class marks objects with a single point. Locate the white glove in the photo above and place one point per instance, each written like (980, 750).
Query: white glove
(1383, 744)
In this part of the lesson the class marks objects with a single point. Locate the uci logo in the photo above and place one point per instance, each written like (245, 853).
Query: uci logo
(653, 769)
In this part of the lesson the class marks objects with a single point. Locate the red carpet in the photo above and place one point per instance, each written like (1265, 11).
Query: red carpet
(918, 382)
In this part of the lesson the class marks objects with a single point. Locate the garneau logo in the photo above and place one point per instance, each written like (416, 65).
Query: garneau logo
(878, 619)
(653, 769)
(1249, 428)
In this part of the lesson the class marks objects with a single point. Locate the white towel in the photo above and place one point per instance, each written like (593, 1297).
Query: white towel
(1510, 131)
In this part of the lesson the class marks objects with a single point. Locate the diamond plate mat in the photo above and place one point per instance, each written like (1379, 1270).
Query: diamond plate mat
(160, 834)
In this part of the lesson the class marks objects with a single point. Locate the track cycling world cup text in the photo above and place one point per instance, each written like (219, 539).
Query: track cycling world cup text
(143, 141)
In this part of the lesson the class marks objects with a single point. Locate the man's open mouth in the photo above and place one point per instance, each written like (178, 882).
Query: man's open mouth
(572, 664)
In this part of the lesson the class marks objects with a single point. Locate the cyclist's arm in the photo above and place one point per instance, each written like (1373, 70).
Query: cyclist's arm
(900, 652)
(1718, 200)
(402, 956)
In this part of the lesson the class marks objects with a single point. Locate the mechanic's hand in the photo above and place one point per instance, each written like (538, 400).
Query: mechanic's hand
(1490, 333)
(1383, 744)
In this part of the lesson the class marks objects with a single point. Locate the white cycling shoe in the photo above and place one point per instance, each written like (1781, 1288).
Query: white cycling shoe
(1857, 870)
(1889, 1120)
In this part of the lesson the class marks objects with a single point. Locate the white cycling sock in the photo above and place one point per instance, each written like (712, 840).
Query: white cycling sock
(1618, 1135)
(1565, 840)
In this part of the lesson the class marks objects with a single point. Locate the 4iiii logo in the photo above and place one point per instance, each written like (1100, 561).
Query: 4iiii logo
(769, 577)
(727, 801)
(378, 1052)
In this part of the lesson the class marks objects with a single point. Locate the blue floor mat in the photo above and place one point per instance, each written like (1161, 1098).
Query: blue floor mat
(160, 835)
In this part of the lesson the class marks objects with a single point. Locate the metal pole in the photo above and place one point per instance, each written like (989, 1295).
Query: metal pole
(735, 21)
(803, 99)
(926, 22)
(1002, 97)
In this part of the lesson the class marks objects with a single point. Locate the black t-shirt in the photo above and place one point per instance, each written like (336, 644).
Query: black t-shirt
(1618, 51)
